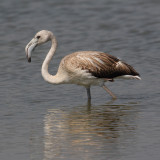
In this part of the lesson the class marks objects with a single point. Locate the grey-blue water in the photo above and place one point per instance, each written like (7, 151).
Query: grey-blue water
(39, 121)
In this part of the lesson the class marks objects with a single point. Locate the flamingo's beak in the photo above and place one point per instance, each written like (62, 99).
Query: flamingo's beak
(30, 47)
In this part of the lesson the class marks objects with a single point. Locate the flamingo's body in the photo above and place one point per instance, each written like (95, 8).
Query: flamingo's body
(84, 68)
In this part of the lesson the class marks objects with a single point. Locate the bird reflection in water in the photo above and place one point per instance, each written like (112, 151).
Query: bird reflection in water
(84, 132)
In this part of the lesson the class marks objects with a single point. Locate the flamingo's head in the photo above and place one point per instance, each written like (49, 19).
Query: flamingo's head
(40, 38)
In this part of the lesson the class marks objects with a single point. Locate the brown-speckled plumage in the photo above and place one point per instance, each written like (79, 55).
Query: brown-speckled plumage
(99, 64)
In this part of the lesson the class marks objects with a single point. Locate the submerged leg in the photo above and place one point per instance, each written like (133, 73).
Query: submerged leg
(111, 94)
(88, 93)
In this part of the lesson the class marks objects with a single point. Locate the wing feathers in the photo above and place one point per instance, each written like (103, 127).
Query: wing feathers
(100, 65)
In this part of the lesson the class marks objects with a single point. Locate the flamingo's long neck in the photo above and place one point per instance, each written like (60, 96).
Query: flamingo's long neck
(48, 77)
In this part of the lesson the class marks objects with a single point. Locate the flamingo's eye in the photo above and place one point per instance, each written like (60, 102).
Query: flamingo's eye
(38, 37)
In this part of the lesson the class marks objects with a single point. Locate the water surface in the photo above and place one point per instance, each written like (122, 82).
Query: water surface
(42, 121)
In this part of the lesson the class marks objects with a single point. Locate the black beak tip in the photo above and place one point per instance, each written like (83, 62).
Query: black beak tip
(29, 60)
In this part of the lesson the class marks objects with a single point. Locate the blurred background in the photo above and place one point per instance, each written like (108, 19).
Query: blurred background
(42, 121)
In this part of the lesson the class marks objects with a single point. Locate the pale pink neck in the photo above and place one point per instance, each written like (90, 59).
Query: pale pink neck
(44, 70)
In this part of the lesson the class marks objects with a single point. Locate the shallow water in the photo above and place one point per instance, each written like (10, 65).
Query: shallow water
(42, 121)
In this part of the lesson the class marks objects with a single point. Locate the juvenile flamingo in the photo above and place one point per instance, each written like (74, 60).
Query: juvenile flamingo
(85, 68)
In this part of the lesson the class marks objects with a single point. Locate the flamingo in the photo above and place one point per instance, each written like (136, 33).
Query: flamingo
(85, 68)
